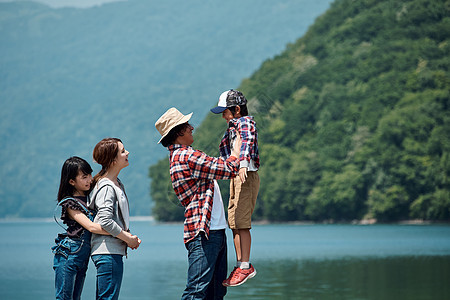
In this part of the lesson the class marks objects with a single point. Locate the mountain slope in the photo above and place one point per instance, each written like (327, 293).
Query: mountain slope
(70, 77)
(354, 117)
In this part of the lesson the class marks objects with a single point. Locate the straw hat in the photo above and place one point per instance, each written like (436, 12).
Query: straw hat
(171, 118)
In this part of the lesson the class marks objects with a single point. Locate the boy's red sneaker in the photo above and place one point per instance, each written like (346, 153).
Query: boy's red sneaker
(241, 275)
(226, 282)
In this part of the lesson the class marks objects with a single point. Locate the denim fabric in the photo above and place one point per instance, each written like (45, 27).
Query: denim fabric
(109, 275)
(207, 266)
(70, 264)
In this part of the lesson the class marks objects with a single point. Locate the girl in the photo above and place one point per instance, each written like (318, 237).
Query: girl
(109, 199)
(73, 248)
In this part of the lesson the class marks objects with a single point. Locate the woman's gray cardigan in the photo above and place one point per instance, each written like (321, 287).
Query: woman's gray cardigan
(112, 214)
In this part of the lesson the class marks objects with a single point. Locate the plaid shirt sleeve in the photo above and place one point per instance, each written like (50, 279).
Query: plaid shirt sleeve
(203, 166)
(249, 150)
(224, 147)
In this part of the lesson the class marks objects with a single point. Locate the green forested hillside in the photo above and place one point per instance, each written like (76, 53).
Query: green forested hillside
(70, 77)
(353, 118)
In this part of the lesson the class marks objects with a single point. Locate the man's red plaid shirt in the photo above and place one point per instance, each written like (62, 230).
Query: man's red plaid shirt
(192, 173)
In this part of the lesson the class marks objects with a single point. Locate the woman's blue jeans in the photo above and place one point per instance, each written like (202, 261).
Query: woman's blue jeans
(70, 264)
(109, 275)
(207, 266)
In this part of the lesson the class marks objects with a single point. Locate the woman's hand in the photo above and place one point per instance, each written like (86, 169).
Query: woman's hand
(132, 240)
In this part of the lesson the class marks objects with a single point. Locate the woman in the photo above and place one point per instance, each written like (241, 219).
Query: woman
(108, 198)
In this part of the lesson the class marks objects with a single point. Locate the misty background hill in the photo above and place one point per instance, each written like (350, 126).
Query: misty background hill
(71, 76)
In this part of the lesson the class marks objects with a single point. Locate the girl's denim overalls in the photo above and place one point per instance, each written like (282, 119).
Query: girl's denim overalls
(71, 261)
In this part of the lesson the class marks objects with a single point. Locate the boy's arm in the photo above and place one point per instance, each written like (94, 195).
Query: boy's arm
(243, 174)
(224, 147)
(247, 130)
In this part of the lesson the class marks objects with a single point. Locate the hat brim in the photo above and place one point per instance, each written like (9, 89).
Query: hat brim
(218, 109)
(181, 121)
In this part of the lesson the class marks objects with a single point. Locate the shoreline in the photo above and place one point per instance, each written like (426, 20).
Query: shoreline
(51, 220)
(152, 220)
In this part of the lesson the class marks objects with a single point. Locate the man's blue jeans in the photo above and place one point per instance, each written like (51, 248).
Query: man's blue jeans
(70, 264)
(109, 275)
(207, 266)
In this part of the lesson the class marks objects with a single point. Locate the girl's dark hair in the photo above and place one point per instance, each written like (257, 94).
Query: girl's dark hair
(244, 110)
(70, 170)
(175, 132)
(105, 152)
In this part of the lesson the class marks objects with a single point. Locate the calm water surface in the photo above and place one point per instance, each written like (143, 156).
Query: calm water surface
(293, 262)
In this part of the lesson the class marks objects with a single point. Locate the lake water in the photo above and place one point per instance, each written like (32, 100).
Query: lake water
(293, 262)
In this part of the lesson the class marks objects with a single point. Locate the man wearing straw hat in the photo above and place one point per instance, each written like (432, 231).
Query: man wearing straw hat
(194, 175)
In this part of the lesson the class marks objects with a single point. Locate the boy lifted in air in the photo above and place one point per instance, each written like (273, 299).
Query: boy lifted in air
(243, 188)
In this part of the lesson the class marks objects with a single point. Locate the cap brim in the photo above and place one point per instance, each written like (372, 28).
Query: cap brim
(218, 109)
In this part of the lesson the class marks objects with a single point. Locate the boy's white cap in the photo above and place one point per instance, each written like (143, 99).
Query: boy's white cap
(227, 99)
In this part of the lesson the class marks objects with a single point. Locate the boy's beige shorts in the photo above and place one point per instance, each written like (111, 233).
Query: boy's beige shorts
(242, 201)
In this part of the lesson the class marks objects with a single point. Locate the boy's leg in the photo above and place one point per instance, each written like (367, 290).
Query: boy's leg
(237, 249)
(242, 273)
(245, 240)
(237, 244)
(232, 224)
(244, 200)
(232, 205)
